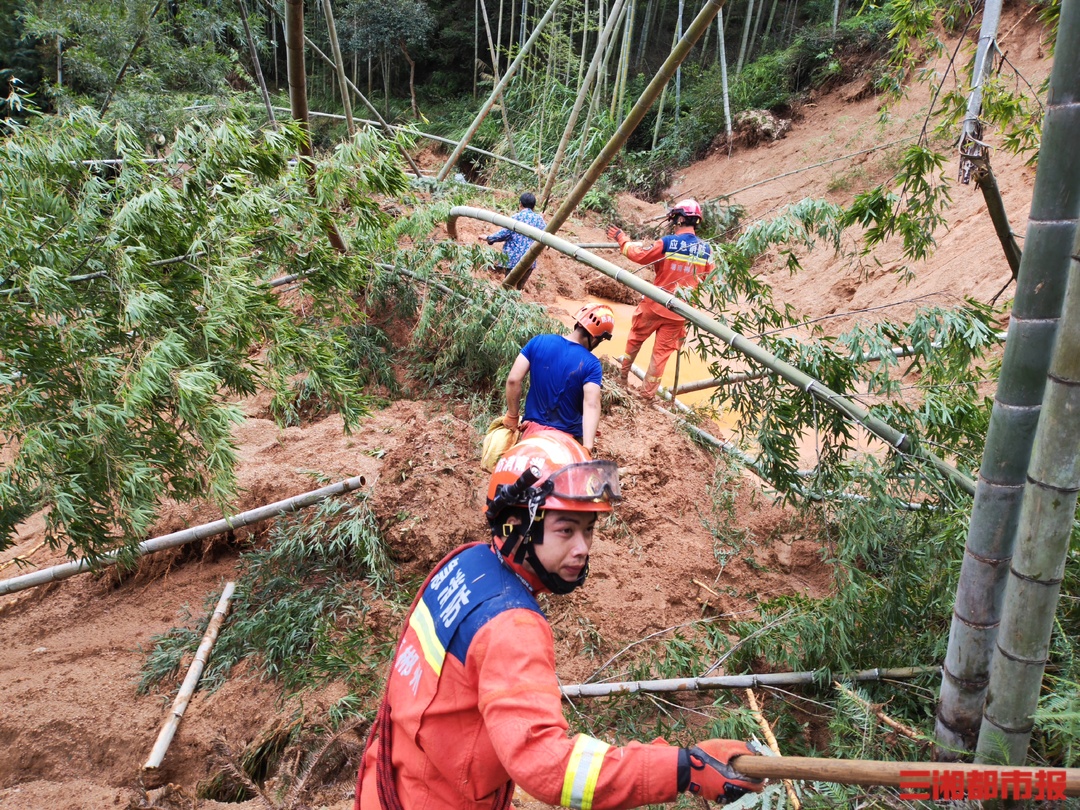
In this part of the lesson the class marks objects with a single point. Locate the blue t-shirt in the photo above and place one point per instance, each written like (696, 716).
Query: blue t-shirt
(558, 371)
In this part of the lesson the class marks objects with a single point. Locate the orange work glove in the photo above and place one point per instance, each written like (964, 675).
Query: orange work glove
(616, 233)
(705, 771)
(511, 421)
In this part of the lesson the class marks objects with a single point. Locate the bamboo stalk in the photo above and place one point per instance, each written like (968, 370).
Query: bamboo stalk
(339, 65)
(853, 410)
(256, 65)
(808, 678)
(70, 569)
(1018, 401)
(995, 206)
(497, 91)
(895, 725)
(622, 134)
(187, 688)
(1043, 538)
(579, 102)
(770, 738)
(878, 772)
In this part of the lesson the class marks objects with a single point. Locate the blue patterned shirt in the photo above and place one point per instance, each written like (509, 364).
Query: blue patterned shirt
(516, 244)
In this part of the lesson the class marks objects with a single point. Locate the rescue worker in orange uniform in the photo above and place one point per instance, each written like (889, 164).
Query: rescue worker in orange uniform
(472, 703)
(682, 260)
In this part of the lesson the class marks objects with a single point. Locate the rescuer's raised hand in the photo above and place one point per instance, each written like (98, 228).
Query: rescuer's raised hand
(616, 234)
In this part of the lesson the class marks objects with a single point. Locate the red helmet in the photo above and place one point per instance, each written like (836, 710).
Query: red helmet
(548, 470)
(596, 319)
(688, 208)
(558, 473)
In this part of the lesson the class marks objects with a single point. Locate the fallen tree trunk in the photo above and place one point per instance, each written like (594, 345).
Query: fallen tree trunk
(187, 688)
(70, 569)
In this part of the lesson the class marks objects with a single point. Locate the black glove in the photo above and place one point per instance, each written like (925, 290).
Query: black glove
(705, 771)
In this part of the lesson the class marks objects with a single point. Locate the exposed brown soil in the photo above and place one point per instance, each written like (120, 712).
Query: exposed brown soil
(74, 732)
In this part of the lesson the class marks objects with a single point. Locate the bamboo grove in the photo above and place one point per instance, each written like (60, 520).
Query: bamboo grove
(138, 304)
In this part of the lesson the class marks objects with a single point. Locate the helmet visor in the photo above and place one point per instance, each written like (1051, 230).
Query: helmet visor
(594, 481)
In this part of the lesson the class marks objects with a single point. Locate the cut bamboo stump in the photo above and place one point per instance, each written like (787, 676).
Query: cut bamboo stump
(191, 680)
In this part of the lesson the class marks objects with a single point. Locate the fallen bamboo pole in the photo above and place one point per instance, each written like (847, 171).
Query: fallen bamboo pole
(22, 557)
(70, 569)
(912, 775)
(187, 688)
(770, 738)
(819, 677)
(815, 388)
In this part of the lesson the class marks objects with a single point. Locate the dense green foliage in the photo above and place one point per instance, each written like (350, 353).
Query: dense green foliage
(135, 300)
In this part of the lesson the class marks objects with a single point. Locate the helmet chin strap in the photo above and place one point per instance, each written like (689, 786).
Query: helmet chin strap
(519, 541)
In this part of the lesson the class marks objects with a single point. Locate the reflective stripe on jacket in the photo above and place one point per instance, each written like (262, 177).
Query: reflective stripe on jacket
(680, 260)
(474, 702)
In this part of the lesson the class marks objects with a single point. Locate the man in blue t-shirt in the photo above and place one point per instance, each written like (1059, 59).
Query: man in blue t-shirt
(564, 379)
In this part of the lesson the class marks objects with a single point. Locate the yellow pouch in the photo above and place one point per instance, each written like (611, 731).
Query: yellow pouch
(498, 440)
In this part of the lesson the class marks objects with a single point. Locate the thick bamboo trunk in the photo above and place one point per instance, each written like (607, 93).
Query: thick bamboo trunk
(486, 108)
(195, 671)
(995, 515)
(1042, 545)
(618, 140)
(579, 102)
(70, 569)
(724, 78)
(363, 99)
(294, 46)
(255, 65)
(339, 66)
(851, 409)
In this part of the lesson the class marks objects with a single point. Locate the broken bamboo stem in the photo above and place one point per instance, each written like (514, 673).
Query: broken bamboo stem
(895, 725)
(582, 690)
(770, 738)
(22, 557)
(70, 569)
(191, 680)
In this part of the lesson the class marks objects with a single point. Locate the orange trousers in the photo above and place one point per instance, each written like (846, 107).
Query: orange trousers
(670, 334)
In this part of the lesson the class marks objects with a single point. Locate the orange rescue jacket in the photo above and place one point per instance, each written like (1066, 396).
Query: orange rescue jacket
(681, 260)
(475, 706)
